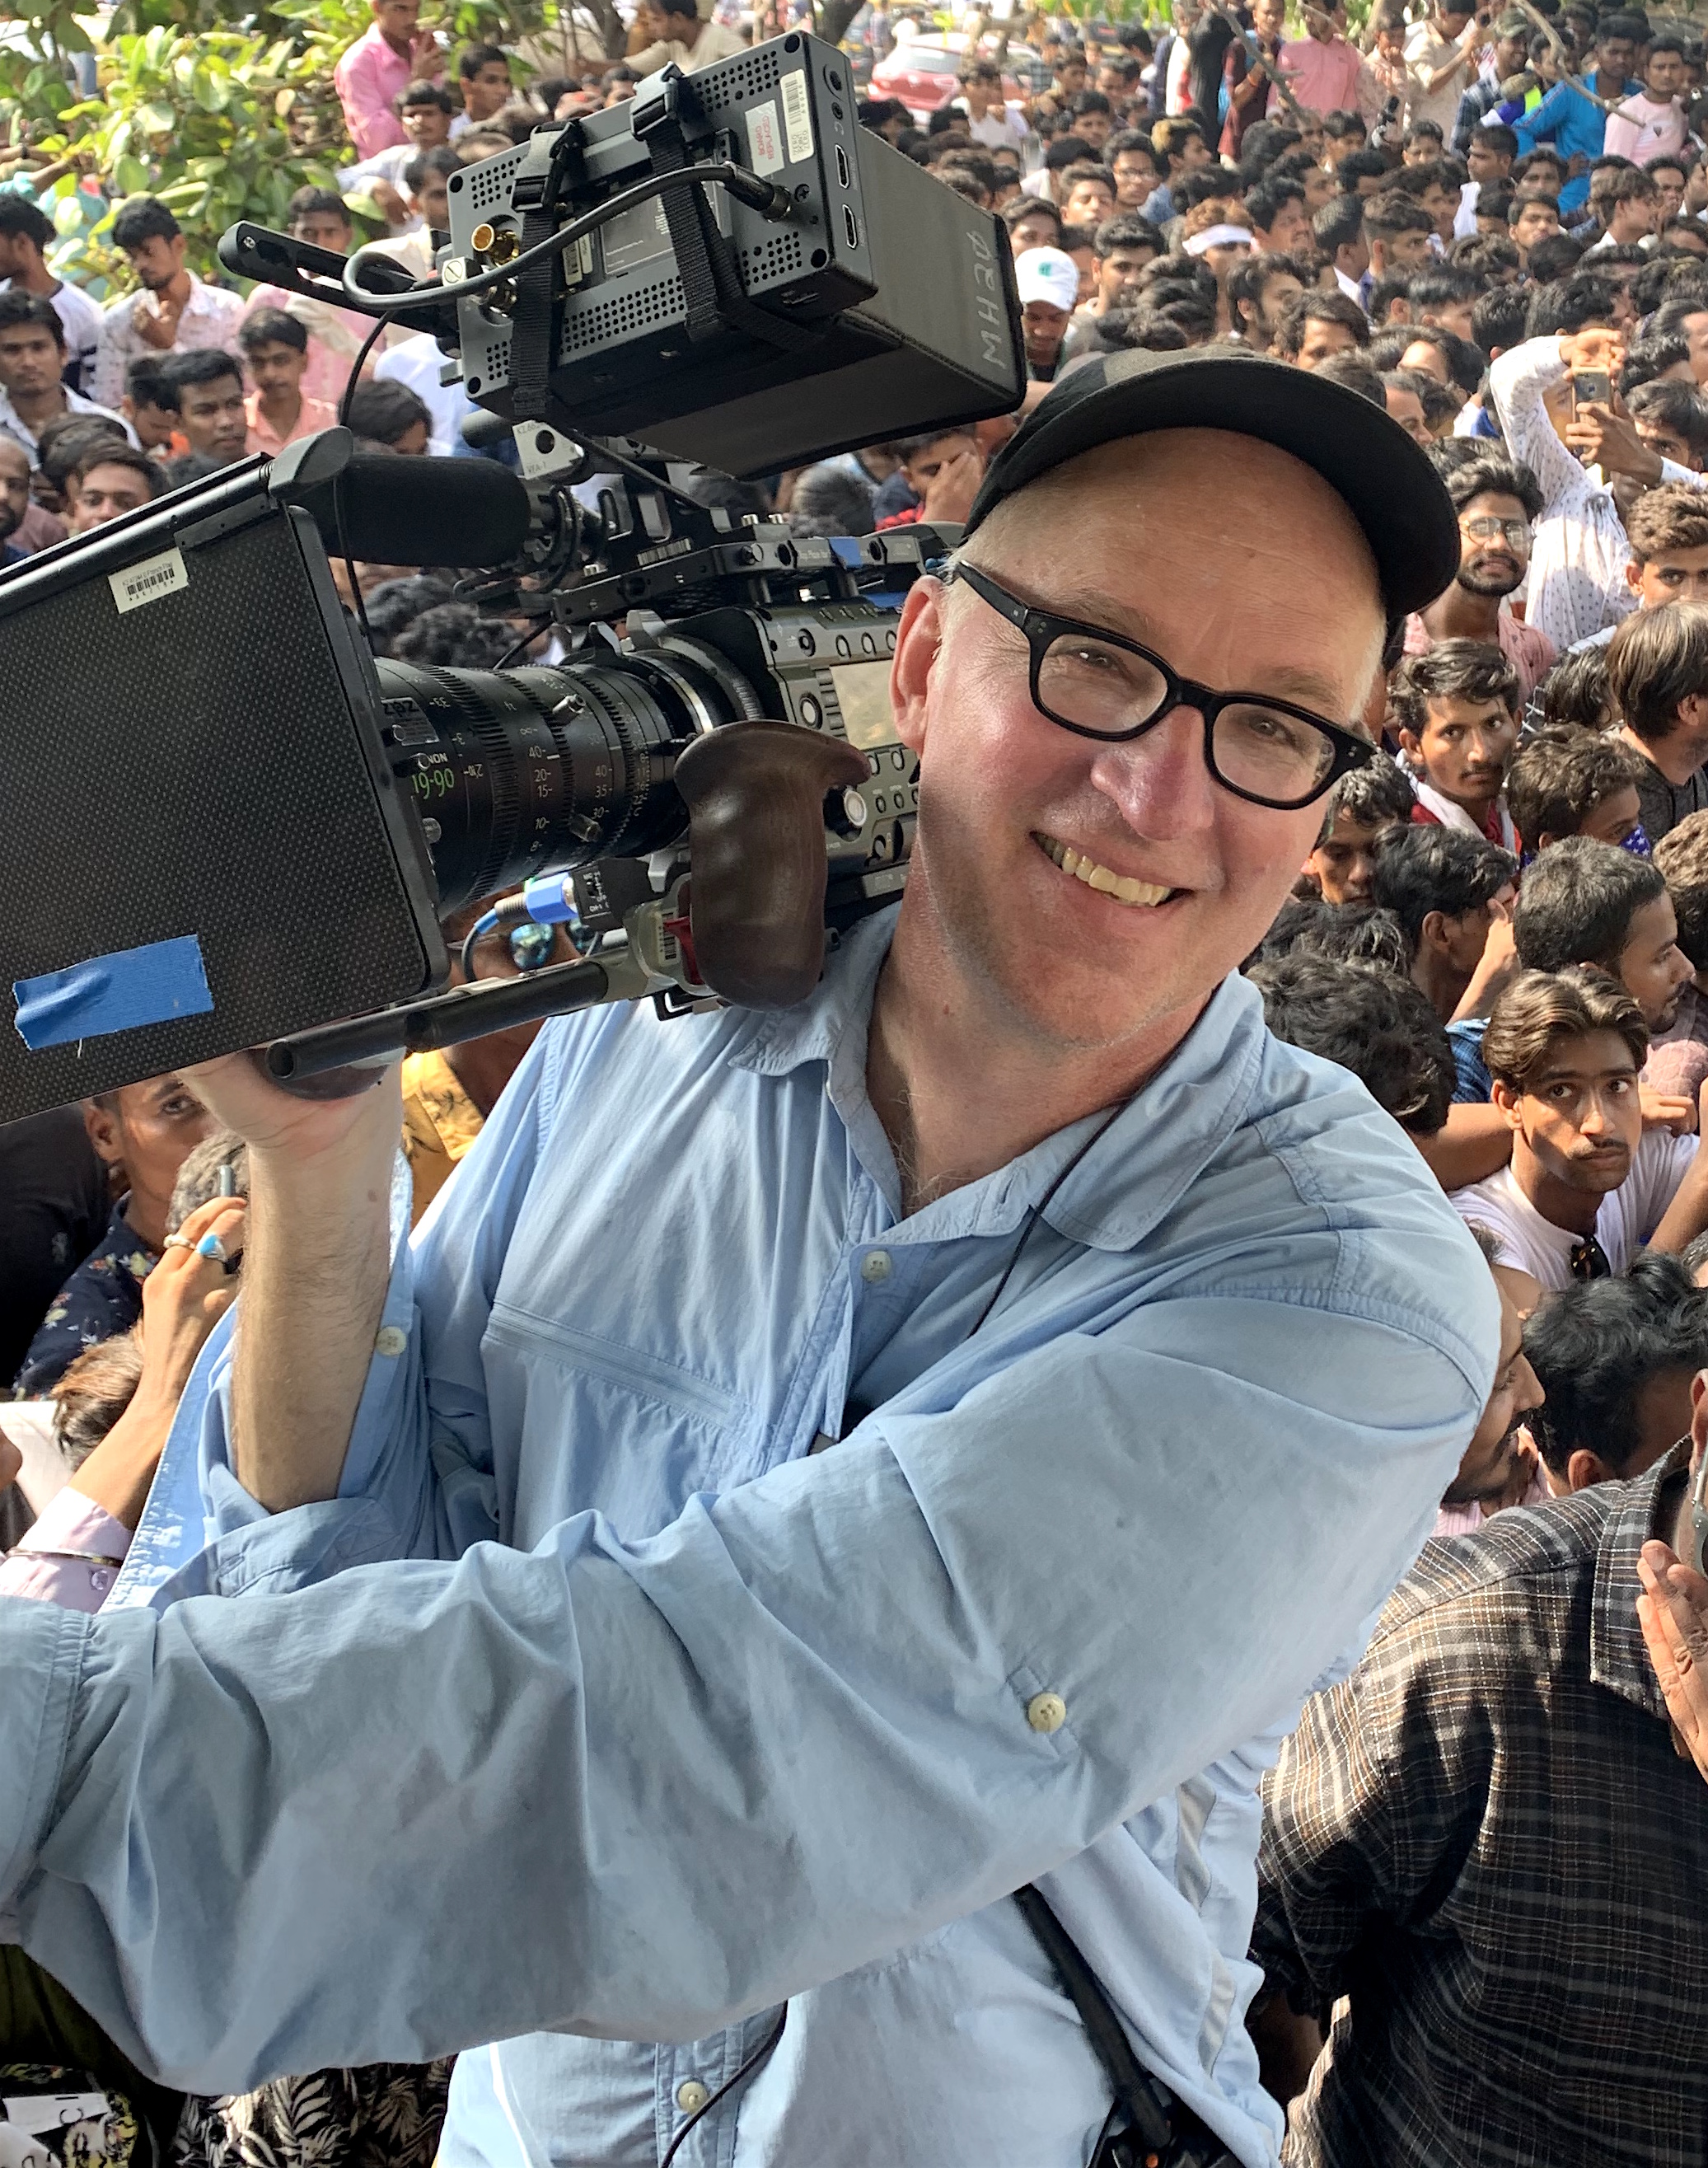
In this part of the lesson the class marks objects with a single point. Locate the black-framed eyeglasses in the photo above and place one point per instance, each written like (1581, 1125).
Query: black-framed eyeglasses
(1100, 684)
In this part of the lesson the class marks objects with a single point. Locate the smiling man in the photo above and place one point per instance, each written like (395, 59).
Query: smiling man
(850, 1537)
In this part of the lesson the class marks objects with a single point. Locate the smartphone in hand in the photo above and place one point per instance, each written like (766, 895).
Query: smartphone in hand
(1591, 387)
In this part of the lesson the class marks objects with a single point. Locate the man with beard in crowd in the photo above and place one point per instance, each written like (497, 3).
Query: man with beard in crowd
(1496, 503)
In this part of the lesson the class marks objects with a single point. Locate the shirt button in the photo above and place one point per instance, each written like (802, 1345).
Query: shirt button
(874, 1266)
(390, 1340)
(691, 2095)
(1047, 1711)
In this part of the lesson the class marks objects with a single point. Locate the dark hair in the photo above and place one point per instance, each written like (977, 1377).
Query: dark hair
(62, 442)
(1682, 855)
(92, 1391)
(1338, 224)
(1249, 278)
(396, 603)
(1443, 287)
(1395, 212)
(385, 411)
(1319, 307)
(1632, 184)
(1574, 692)
(1493, 476)
(206, 364)
(272, 328)
(1678, 408)
(144, 218)
(1361, 166)
(1578, 901)
(1372, 1022)
(441, 159)
(116, 454)
(19, 216)
(1674, 314)
(1646, 361)
(1559, 776)
(1498, 319)
(17, 309)
(1420, 869)
(1451, 670)
(1353, 372)
(1572, 305)
(144, 380)
(425, 93)
(1657, 658)
(1672, 516)
(307, 201)
(1372, 796)
(1126, 229)
(473, 58)
(1554, 257)
(455, 636)
(1495, 135)
(1022, 207)
(1128, 139)
(1092, 101)
(1271, 197)
(1393, 286)
(1341, 932)
(1537, 1009)
(1594, 1345)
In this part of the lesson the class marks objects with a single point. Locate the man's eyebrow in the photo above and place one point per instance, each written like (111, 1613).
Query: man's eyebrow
(1281, 680)
(1545, 1075)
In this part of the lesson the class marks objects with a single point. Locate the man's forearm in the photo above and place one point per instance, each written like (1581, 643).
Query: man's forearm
(315, 1263)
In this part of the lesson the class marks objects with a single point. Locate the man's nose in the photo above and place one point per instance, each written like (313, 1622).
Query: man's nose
(1160, 783)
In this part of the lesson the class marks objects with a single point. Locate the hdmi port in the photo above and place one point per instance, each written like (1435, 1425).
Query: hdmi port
(851, 227)
(844, 177)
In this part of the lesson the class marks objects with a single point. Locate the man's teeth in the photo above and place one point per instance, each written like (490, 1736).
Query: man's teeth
(1120, 886)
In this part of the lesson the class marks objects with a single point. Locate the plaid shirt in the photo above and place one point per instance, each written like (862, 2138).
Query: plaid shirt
(1484, 1838)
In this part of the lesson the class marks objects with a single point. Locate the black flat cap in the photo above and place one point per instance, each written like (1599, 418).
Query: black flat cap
(1386, 481)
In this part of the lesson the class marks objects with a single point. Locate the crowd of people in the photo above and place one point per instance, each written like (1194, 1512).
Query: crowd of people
(1475, 1935)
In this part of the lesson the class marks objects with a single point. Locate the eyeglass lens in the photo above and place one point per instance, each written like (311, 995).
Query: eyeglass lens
(1106, 689)
(1517, 532)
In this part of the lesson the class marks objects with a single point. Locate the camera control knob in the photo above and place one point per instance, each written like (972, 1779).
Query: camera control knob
(845, 811)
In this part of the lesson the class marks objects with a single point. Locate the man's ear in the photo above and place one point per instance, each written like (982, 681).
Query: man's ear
(1433, 933)
(917, 641)
(1584, 1468)
(102, 1128)
(1410, 744)
(1633, 574)
(1503, 1096)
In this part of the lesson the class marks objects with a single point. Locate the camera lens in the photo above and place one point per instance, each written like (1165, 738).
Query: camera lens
(526, 770)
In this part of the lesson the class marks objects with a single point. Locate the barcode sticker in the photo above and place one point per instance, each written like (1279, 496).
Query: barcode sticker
(764, 144)
(797, 116)
(149, 581)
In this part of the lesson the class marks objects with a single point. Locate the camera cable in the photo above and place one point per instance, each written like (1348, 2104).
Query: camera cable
(771, 202)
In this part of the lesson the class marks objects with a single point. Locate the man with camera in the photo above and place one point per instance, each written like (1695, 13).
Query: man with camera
(900, 1451)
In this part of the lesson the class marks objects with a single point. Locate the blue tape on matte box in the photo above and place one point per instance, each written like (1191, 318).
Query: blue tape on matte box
(121, 992)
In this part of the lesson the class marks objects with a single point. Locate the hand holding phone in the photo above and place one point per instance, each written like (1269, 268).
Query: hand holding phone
(1591, 387)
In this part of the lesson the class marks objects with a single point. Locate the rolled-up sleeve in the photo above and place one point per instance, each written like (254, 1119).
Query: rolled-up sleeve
(417, 1476)
(638, 1790)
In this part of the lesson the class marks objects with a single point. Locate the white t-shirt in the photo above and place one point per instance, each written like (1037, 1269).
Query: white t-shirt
(1002, 128)
(1628, 1216)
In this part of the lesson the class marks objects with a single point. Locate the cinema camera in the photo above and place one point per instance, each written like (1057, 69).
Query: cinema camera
(726, 272)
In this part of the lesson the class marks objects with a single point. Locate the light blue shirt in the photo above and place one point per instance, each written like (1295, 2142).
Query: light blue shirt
(702, 1721)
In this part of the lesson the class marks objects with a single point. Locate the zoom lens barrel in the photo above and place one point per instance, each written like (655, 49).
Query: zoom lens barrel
(524, 770)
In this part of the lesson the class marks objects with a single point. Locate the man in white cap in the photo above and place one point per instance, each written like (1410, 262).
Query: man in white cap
(1048, 280)
(857, 1489)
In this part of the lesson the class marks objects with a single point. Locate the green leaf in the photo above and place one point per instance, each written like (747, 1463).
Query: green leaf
(131, 175)
(154, 118)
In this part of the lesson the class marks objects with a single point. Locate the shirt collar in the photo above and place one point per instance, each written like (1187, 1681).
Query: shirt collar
(1618, 1657)
(1155, 1148)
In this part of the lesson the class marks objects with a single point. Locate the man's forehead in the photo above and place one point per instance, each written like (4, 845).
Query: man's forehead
(1586, 1060)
